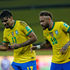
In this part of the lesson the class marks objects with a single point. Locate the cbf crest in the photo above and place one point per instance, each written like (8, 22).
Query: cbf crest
(16, 31)
(56, 32)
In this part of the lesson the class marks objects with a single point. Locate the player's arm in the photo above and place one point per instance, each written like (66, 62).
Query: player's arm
(44, 44)
(32, 39)
(4, 47)
(66, 29)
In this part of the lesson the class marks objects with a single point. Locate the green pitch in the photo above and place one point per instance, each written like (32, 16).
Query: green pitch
(38, 52)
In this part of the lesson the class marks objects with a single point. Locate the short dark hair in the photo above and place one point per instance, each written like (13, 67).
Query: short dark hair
(46, 13)
(5, 13)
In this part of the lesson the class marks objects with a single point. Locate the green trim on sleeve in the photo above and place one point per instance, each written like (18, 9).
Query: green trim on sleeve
(5, 42)
(68, 29)
(28, 33)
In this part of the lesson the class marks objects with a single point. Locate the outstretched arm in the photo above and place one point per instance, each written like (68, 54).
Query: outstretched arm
(64, 48)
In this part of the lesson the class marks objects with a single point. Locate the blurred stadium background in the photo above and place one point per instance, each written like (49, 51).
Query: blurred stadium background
(28, 10)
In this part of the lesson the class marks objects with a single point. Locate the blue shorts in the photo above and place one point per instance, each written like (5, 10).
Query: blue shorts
(31, 65)
(64, 66)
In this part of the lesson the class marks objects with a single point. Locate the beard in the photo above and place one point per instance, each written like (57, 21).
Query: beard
(7, 26)
(46, 26)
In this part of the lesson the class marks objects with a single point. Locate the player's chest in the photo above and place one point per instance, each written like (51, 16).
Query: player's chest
(14, 33)
(56, 33)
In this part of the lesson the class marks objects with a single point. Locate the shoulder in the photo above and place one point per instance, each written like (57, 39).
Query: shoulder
(6, 30)
(59, 22)
(45, 31)
(22, 23)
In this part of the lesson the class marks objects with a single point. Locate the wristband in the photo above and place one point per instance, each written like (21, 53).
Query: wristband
(38, 46)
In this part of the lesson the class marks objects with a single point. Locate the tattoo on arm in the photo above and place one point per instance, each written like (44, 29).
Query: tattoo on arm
(30, 41)
(66, 45)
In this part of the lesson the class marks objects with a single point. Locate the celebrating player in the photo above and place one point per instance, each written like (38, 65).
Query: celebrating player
(57, 33)
(18, 36)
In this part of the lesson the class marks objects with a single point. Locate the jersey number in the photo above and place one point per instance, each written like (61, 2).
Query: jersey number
(14, 39)
(31, 68)
(54, 41)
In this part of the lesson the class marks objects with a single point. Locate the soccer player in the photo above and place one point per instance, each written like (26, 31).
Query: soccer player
(57, 33)
(18, 36)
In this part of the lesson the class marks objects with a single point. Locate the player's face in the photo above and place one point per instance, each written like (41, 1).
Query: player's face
(7, 22)
(45, 21)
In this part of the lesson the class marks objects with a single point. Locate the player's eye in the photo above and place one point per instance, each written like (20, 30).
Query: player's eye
(42, 21)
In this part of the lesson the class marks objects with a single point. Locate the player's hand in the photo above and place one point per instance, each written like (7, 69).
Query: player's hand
(33, 48)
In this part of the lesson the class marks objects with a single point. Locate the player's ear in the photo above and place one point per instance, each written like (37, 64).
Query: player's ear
(49, 19)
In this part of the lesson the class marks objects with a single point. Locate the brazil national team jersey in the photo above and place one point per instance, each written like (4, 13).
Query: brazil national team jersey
(19, 34)
(58, 37)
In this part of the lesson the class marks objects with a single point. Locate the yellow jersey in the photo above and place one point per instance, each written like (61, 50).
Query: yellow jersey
(19, 34)
(58, 36)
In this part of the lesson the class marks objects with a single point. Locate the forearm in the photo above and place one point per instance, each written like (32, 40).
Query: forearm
(32, 39)
(28, 42)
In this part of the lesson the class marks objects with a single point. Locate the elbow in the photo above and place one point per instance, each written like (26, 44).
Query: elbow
(34, 39)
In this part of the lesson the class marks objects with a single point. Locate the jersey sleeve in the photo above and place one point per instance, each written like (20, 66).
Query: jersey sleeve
(25, 28)
(65, 27)
(5, 40)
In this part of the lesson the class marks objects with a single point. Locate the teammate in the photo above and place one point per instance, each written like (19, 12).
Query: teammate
(18, 36)
(57, 33)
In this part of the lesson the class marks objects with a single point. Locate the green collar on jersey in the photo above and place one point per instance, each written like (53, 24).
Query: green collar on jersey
(52, 26)
(13, 25)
